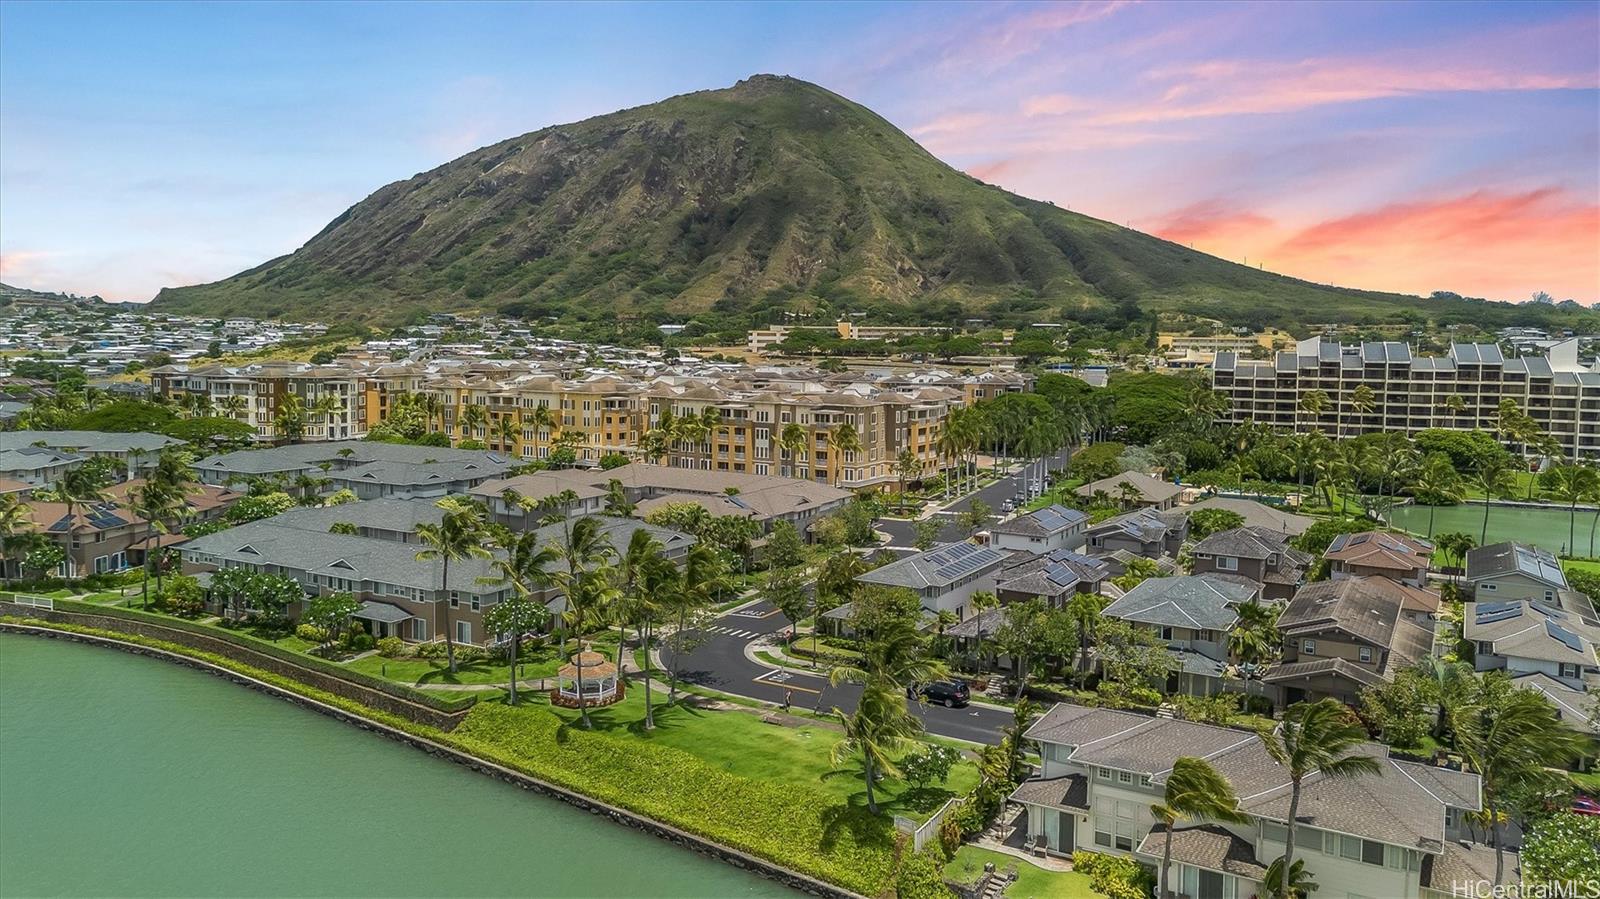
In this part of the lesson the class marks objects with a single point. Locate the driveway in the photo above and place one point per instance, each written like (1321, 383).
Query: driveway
(720, 663)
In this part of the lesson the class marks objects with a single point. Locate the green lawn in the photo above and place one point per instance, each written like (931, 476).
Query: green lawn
(1032, 881)
(1578, 565)
(741, 743)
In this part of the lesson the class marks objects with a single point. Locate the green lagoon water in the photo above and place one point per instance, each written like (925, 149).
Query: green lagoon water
(127, 776)
(1543, 527)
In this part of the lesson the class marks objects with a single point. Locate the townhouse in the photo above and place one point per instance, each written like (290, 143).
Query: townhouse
(1052, 576)
(1134, 488)
(1144, 532)
(136, 452)
(1510, 571)
(1256, 515)
(1193, 615)
(944, 578)
(36, 466)
(1042, 530)
(1399, 557)
(1461, 390)
(1340, 636)
(1394, 834)
(1256, 554)
(1528, 636)
(392, 464)
(107, 536)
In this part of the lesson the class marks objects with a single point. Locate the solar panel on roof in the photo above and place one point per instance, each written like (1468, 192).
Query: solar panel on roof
(1547, 611)
(1565, 636)
(1496, 615)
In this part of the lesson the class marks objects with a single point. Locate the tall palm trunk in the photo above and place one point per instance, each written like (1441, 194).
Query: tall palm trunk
(1166, 862)
(647, 633)
(1592, 526)
(872, 802)
(449, 638)
(144, 584)
(672, 670)
(1484, 538)
(1284, 888)
(1432, 510)
(1497, 842)
(511, 688)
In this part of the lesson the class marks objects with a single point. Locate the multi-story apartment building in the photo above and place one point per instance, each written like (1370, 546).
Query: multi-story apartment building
(330, 398)
(1461, 390)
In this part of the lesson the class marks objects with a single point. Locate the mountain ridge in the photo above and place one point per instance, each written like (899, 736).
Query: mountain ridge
(768, 192)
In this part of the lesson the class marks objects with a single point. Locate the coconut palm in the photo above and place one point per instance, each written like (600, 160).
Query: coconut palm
(643, 551)
(14, 519)
(1312, 404)
(1194, 791)
(846, 441)
(524, 566)
(1315, 738)
(585, 579)
(659, 581)
(290, 420)
(504, 431)
(896, 654)
(1573, 483)
(877, 730)
(1494, 476)
(542, 420)
(1437, 482)
(704, 576)
(80, 486)
(1511, 736)
(473, 418)
(456, 537)
(791, 442)
(233, 405)
(1363, 401)
(1448, 683)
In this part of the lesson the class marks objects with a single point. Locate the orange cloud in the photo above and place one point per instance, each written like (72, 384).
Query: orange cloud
(1504, 245)
(1211, 220)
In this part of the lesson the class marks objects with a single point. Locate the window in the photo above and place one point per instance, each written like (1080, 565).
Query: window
(1166, 633)
(1372, 852)
(463, 632)
(477, 603)
(1124, 777)
(1366, 654)
(1105, 773)
(1309, 647)
(1569, 670)
(1227, 563)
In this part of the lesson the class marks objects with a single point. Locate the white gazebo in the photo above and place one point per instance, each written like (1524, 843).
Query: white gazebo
(600, 683)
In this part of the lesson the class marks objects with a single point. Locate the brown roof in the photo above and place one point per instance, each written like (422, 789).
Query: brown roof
(1363, 607)
(1377, 549)
(1209, 846)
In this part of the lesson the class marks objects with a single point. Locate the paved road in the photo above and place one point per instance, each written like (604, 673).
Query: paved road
(903, 533)
(719, 663)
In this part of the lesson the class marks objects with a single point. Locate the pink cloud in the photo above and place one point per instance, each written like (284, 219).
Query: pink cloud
(1015, 37)
(1208, 220)
(1054, 104)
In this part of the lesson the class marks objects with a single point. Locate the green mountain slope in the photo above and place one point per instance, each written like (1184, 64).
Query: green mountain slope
(768, 189)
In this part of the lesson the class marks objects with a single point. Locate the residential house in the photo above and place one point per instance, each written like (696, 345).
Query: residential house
(1135, 487)
(108, 536)
(945, 577)
(137, 452)
(1395, 833)
(331, 460)
(1257, 515)
(1042, 530)
(1144, 532)
(414, 480)
(36, 466)
(1398, 557)
(1260, 555)
(1052, 576)
(1341, 636)
(1193, 614)
(1508, 571)
(1529, 636)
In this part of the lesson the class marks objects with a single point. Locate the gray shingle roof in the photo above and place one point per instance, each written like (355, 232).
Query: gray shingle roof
(90, 441)
(1209, 846)
(1194, 601)
(1257, 514)
(1044, 522)
(1151, 489)
(1515, 558)
(938, 567)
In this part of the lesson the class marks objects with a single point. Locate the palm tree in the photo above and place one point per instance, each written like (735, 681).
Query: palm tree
(1254, 638)
(542, 420)
(1084, 608)
(505, 434)
(455, 538)
(1574, 482)
(14, 518)
(80, 486)
(1194, 791)
(895, 654)
(585, 581)
(1511, 736)
(1447, 682)
(878, 728)
(1438, 482)
(155, 502)
(792, 442)
(233, 405)
(1315, 738)
(704, 576)
(1313, 403)
(643, 551)
(473, 417)
(1494, 477)
(660, 580)
(846, 441)
(1363, 401)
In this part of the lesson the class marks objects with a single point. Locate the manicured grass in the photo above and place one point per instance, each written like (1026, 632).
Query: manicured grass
(423, 672)
(1578, 565)
(741, 743)
(1032, 882)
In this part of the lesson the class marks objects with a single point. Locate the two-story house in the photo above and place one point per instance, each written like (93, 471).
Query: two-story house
(1051, 576)
(1150, 533)
(107, 536)
(1396, 833)
(1193, 614)
(1528, 636)
(945, 577)
(1508, 571)
(1398, 557)
(1042, 530)
(1340, 636)
(1260, 555)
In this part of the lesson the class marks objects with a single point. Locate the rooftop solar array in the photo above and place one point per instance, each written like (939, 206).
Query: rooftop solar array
(1565, 636)
(961, 559)
(1491, 612)
(1538, 563)
(1547, 611)
(1055, 518)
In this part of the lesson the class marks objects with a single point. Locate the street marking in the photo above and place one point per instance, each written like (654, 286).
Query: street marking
(751, 613)
(777, 677)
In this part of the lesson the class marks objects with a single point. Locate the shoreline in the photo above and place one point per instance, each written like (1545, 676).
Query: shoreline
(704, 846)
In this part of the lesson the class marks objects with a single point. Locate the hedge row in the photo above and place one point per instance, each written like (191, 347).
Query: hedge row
(803, 829)
(446, 704)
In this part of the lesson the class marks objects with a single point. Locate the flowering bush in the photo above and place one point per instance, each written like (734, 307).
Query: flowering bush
(1564, 849)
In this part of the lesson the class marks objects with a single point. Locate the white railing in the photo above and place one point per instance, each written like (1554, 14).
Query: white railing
(33, 602)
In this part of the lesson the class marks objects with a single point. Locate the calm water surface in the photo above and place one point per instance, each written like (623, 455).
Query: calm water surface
(127, 776)
(1544, 527)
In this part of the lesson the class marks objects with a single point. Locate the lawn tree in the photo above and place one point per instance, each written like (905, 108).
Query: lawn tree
(786, 590)
(704, 576)
(660, 581)
(1021, 636)
(974, 516)
(785, 548)
(587, 580)
(330, 611)
(893, 662)
(1315, 739)
(514, 616)
(457, 537)
(927, 533)
(1493, 477)
(1194, 791)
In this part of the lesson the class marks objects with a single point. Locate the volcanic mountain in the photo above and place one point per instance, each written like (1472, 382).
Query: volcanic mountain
(759, 193)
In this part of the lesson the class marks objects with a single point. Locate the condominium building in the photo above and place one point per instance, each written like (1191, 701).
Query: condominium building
(1461, 390)
(329, 398)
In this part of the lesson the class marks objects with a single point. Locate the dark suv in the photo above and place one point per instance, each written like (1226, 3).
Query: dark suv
(947, 693)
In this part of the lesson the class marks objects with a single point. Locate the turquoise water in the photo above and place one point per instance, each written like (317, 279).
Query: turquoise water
(127, 776)
(1545, 527)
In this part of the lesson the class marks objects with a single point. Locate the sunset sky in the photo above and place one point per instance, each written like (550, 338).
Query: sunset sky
(1407, 147)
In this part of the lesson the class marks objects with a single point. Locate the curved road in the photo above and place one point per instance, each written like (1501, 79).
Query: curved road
(719, 663)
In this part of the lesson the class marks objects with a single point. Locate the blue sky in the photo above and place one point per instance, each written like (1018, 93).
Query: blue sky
(1393, 146)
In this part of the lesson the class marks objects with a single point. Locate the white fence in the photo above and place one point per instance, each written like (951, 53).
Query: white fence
(929, 831)
(34, 602)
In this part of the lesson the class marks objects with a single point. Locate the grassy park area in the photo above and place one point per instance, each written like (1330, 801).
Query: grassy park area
(1033, 882)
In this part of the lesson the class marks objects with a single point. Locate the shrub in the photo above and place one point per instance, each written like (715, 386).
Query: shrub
(1127, 696)
(1113, 876)
(1217, 709)
(921, 875)
(311, 633)
(1255, 704)
(391, 647)
(931, 763)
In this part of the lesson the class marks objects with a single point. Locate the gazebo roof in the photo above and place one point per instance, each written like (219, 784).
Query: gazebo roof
(593, 664)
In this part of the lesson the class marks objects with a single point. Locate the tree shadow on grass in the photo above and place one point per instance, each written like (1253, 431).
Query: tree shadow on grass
(441, 673)
(851, 822)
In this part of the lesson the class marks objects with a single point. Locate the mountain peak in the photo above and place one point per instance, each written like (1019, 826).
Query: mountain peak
(771, 190)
